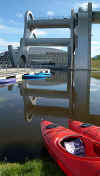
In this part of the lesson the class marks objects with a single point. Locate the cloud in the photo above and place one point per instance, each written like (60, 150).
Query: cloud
(5, 43)
(14, 23)
(84, 5)
(95, 48)
(50, 13)
(14, 30)
(2, 27)
(95, 43)
(19, 15)
(1, 20)
(95, 5)
(10, 30)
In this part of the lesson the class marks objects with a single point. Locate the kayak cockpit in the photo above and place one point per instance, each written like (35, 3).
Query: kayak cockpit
(73, 145)
(79, 146)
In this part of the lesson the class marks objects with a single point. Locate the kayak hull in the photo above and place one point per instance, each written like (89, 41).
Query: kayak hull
(72, 165)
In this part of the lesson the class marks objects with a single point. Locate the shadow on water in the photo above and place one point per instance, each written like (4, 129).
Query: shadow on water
(66, 95)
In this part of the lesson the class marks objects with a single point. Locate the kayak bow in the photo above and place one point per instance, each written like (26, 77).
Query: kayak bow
(89, 130)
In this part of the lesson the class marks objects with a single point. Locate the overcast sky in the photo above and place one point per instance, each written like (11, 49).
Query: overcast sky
(12, 19)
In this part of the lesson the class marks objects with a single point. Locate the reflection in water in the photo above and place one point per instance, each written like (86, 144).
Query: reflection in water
(67, 95)
(74, 100)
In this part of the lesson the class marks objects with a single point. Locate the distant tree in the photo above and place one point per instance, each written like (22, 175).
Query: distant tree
(97, 57)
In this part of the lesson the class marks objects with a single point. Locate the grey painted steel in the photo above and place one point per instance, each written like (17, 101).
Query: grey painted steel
(89, 34)
(47, 42)
(28, 15)
(81, 81)
(71, 48)
(83, 51)
(79, 43)
(69, 55)
(51, 23)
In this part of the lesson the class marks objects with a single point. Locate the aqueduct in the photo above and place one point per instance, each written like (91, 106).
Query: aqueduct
(79, 43)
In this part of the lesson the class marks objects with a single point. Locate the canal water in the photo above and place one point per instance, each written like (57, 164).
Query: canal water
(65, 95)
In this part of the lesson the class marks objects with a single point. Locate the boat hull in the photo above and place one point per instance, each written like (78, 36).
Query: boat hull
(72, 165)
(6, 81)
(35, 76)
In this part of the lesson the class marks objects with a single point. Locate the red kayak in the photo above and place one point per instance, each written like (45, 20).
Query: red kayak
(60, 143)
(89, 130)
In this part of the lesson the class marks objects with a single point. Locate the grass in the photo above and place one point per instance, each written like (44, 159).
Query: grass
(96, 67)
(96, 64)
(95, 75)
(35, 167)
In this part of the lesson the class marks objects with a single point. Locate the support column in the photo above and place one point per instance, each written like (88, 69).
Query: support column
(72, 38)
(83, 53)
(81, 94)
(28, 59)
(69, 56)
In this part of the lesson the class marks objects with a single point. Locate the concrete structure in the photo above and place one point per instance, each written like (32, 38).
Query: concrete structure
(4, 60)
(13, 55)
(79, 43)
(44, 57)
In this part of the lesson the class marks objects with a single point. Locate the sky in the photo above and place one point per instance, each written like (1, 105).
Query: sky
(12, 20)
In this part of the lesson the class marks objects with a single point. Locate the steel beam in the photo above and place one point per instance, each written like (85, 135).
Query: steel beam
(51, 23)
(47, 42)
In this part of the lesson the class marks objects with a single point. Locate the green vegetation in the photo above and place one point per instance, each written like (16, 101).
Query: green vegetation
(31, 168)
(96, 67)
(96, 63)
(95, 75)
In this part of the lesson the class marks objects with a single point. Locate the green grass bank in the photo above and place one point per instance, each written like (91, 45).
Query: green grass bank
(95, 65)
(35, 167)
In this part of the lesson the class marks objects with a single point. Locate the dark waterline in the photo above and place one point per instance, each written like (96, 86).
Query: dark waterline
(23, 105)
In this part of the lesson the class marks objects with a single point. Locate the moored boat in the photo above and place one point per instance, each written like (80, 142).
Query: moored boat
(36, 75)
(87, 129)
(84, 161)
(7, 80)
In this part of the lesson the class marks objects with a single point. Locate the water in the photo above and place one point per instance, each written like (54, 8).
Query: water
(65, 95)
